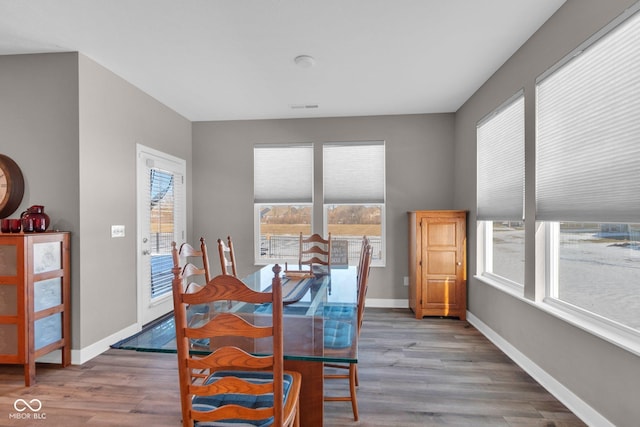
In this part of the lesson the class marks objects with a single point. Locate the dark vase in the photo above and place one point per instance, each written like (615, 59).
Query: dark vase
(36, 218)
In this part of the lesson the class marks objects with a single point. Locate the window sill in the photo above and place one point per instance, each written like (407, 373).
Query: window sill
(619, 335)
(502, 284)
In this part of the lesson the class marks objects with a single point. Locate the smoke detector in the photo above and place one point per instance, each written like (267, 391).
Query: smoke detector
(304, 61)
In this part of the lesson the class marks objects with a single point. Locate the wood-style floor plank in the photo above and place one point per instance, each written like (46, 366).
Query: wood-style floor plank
(413, 373)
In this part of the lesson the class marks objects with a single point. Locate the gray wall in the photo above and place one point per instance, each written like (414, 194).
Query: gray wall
(72, 126)
(419, 159)
(603, 375)
(114, 117)
(39, 122)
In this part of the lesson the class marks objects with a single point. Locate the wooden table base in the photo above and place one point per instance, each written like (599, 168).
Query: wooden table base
(312, 391)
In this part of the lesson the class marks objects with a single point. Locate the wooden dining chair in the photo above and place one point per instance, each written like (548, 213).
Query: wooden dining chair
(240, 387)
(314, 250)
(338, 333)
(227, 257)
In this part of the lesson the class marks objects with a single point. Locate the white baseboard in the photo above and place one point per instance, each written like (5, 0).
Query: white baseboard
(387, 303)
(579, 407)
(78, 357)
(87, 353)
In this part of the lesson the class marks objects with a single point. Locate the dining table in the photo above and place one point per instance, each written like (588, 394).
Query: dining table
(314, 303)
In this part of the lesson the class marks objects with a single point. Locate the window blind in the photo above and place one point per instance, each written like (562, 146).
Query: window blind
(354, 172)
(588, 131)
(283, 173)
(166, 208)
(500, 168)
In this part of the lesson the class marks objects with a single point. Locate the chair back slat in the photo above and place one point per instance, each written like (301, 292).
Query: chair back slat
(231, 357)
(227, 288)
(227, 325)
(192, 270)
(232, 385)
(314, 261)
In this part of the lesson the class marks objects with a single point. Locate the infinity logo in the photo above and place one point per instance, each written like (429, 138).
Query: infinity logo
(21, 405)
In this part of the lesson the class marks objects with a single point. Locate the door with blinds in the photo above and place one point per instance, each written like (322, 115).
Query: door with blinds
(161, 209)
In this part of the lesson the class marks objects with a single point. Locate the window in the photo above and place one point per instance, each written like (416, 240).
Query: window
(283, 199)
(587, 180)
(597, 269)
(506, 246)
(354, 195)
(353, 178)
(500, 193)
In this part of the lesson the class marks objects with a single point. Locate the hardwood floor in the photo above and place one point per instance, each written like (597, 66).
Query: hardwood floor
(429, 372)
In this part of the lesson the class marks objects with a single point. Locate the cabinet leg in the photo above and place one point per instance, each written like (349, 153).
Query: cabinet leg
(29, 373)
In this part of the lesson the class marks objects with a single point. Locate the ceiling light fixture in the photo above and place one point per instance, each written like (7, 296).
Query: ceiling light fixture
(304, 61)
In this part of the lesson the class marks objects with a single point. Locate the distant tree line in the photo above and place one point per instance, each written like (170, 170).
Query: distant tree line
(342, 214)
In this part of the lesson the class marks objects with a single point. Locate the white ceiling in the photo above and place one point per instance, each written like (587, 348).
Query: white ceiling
(233, 59)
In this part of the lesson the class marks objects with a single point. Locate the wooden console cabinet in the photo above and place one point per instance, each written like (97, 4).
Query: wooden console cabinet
(437, 263)
(34, 299)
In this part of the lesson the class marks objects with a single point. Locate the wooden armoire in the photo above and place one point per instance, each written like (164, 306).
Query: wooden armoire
(437, 263)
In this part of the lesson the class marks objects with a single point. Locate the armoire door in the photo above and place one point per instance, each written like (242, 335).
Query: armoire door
(443, 266)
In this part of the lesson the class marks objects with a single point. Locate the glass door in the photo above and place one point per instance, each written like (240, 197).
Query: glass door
(161, 220)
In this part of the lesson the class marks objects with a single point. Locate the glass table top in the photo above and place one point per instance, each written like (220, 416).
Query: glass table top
(319, 322)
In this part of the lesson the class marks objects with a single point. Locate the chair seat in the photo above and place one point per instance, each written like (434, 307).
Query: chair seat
(208, 403)
(339, 311)
(337, 334)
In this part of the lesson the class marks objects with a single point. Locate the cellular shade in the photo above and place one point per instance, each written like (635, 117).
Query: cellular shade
(354, 173)
(500, 175)
(588, 131)
(283, 173)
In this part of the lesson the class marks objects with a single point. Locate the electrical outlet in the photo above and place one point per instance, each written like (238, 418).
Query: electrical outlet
(117, 231)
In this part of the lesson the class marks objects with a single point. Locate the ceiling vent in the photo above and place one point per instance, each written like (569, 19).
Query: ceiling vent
(303, 106)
